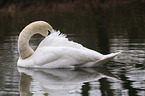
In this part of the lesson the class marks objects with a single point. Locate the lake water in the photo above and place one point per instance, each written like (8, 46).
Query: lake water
(101, 25)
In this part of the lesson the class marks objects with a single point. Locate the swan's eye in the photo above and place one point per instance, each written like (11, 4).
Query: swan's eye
(48, 32)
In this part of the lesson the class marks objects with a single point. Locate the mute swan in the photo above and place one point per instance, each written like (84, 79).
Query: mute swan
(55, 51)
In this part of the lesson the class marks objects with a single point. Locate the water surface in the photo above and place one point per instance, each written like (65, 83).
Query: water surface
(103, 26)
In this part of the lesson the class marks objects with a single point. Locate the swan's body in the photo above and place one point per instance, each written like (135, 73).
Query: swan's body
(55, 51)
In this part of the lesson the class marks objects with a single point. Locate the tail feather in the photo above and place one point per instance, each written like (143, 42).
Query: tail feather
(106, 58)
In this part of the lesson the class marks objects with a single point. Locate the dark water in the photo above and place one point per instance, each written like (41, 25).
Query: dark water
(105, 26)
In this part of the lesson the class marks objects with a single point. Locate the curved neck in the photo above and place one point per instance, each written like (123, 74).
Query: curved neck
(24, 49)
(40, 27)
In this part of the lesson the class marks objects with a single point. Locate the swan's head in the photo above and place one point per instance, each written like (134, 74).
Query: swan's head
(44, 27)
(40, 27)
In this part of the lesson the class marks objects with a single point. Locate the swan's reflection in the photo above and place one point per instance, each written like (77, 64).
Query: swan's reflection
(59, 82)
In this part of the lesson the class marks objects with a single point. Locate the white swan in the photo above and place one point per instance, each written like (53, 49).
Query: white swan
(55, 51)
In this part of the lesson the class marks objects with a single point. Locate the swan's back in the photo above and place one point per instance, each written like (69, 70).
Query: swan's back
(57, 39)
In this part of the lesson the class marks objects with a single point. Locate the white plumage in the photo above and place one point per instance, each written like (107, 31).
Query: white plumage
(56, 51)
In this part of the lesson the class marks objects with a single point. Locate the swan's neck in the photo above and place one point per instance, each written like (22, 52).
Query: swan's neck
(24, 49)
